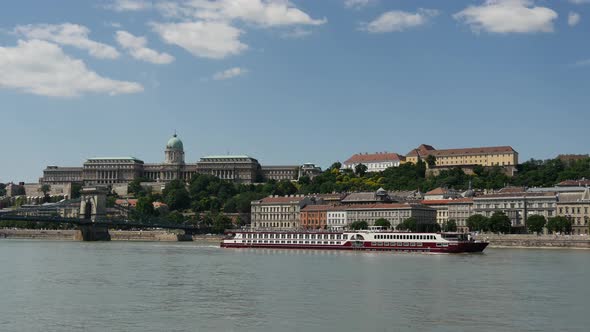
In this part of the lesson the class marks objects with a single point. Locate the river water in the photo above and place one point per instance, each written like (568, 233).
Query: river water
(126, 286)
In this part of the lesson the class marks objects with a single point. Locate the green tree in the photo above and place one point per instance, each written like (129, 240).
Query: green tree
(408, 225)
(500, 223)
(285, 187)
(134, 187)
(221, 223)
(360, 170)
(450, 226)
(559, 224)
(75, 190)
(430, 160)
(358, 225)
(145, 207)
(176, 195)
(477, 222)
(45, 189)
(303, 180)
(337, 166)
(175, 217)
(384, 223)
(535, 223)
(2, 189)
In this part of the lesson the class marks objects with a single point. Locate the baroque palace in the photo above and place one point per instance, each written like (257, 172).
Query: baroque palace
(122, 170)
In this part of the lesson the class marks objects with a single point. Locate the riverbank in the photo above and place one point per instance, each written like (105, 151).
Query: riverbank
(535, 241)
(69, 235)
(495, 240)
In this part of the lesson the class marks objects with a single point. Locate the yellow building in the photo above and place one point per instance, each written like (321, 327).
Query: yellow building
(576, 207)
(484, 156)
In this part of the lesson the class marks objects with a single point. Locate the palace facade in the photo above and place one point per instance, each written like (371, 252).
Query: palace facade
(122, 170)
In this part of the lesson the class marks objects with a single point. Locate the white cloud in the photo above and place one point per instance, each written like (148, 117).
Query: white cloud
(357, 4)
(136, 46)
(214, 40)
(229, 73)
(267, 13)
(296, 33)
(397, 20)
(40, 67)
(68, 34)
(129, 5)
(508, 16)
(573, 19)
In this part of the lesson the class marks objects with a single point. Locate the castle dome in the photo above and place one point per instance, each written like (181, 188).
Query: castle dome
(174, 143)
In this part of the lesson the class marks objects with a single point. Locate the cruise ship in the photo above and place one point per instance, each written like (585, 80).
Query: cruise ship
(354, 240)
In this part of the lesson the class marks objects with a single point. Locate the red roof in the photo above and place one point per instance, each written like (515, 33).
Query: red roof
(461, 200)
(130, 201)
(282, 199)
(382, 206)
(574, 183)
(436, 201)
(437, 191)
(360, 158)
(425, 150)
(310, 208)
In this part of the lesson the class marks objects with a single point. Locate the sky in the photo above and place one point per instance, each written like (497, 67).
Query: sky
(288, 82)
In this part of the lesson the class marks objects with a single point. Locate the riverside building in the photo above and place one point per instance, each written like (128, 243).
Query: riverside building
(576, 207)
(278, 212)
(517, 205)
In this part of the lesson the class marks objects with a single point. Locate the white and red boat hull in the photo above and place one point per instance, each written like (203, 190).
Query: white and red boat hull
(371, 241)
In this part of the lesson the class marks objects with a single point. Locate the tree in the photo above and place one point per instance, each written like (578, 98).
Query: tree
(304, 179)
(221, 223)
(176, 195)
(75, 191)
(45, 189)
(175, 217)
(559, 224)
(145, 207)
(535, 223)
(358, 225)
(408, 225)
(285, 187)
(500, 223)
(384, 223)
(477, 222)
(430, 160)
(450, 226)
(337, 165)
(360, 170)
(2, 189)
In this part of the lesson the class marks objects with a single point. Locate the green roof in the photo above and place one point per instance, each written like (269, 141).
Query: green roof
(228, 157)
(116, 158)
(174, 143)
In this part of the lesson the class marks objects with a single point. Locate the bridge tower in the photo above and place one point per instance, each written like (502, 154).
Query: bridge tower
(93, 208)
(93, 203)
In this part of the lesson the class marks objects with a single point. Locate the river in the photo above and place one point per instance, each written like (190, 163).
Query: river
(149, 286)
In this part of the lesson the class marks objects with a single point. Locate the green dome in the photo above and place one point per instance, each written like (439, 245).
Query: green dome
(174, 143)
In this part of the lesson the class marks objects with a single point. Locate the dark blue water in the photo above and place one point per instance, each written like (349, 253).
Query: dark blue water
(124, 286)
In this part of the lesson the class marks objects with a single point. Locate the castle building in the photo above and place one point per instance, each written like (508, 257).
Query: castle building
(504, 156)
(122, 170)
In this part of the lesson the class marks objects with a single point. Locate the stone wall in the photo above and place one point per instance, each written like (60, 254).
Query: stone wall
(536, 241)
(70, 235)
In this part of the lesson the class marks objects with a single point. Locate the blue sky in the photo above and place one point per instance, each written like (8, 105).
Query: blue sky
(289, 82)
